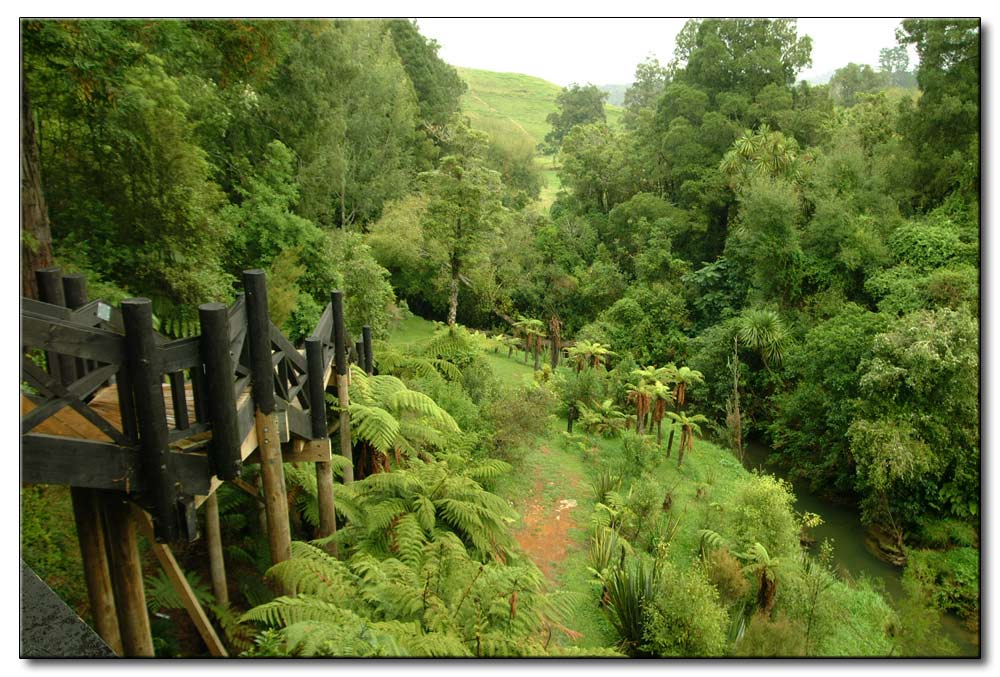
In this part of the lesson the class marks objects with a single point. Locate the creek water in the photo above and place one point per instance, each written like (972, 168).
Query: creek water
(842, 526)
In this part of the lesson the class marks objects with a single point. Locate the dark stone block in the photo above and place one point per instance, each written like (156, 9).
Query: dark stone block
(49, 628)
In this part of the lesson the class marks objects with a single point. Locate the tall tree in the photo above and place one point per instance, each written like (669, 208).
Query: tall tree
(576, 106)
(943, 129)
(649, 80)
(36, 236)
(740, 55)
(464, 208)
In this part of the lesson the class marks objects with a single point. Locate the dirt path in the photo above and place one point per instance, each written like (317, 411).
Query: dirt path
(545, 535)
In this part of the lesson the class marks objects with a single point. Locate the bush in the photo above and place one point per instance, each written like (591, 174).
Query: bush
(725, 572)
(760, 511)
(684, 618)
(638, 454)
(518, 418)
(951, 578)
(766, 638)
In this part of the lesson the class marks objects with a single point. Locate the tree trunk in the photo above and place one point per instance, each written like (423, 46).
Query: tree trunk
(680, 447)
(737, 419)
(36, 235)
(537, 363)
(570, 415)
(670, 440)
(659, 433)
(453, 297)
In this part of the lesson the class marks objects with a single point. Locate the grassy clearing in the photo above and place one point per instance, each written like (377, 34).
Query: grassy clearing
(523, 100)
(703, 493)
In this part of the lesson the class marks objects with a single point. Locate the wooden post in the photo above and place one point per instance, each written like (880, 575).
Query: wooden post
(341, 368)
(75, 293)
(126, 579)
(180, 584)
(224, 452)
(366, 338)
(154, 459)
(71, 291)
(262, 377)
(178, 400)
(216, 561)
(50, 290)
(359, 350)
(317, 417)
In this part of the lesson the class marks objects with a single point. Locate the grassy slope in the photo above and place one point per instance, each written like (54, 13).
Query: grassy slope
(519, 103)
(708, 468)
(513, 97)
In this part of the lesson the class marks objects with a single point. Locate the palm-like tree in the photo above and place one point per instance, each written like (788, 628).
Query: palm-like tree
(589, 353)
(555, 340)
(689, 426)
(532, 331)
(762, 331)
(682, 378)
(662, 396)
(641, 395)
(604, 418)
(393, 419)
(764, 567)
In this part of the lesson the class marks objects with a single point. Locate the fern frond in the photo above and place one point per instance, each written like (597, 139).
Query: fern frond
(374, 425)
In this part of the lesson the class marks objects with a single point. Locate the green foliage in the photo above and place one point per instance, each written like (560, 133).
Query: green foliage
(438, 603)
(576, 105)
(950, 578)
(852, 80)
(909, 465)
(49, 544)
(684, 617)
(629, 586)
(760, 512)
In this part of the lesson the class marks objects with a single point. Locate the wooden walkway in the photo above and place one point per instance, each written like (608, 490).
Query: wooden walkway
(144, 429)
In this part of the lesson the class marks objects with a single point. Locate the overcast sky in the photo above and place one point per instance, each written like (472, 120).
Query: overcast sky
(606, 51)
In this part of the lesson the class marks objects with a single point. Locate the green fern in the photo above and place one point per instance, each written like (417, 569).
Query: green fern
(161, 594)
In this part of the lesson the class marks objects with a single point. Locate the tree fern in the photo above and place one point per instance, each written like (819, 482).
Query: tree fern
(161, 594)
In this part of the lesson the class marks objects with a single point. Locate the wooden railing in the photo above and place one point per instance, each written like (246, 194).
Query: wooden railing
(97, 418)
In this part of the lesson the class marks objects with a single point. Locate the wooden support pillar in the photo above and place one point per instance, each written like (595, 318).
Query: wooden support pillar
(216, 562)
(88, 514)
(224, 452)
(342, 370)
(366, 339)
(268, 438)
(359, 350)
(154, 458)
(71, 292)
(317, 417)
(180, 584)
(126, 579)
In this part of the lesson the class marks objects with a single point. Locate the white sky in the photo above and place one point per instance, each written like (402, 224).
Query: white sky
(606, 51)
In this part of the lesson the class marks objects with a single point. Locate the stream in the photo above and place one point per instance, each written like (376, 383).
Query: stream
(842, 525)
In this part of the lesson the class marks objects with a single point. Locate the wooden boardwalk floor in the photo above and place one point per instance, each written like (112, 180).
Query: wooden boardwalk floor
(67, 422)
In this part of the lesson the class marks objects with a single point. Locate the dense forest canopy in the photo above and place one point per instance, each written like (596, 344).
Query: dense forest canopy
(810, 255)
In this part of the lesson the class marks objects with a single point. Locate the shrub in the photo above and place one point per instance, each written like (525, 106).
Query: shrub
(760, 511)
(628, 587)
(781, 637)
(725, 572)
(684, 618)
(951, 578)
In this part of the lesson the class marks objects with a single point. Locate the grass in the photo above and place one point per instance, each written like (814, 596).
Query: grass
(556, 466)
(521, 100)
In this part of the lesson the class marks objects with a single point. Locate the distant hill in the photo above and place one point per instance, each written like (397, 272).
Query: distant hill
(821, 79)
(616, 93)
(514, 101)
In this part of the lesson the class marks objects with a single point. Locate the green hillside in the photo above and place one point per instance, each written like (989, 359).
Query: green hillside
(515, 101)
